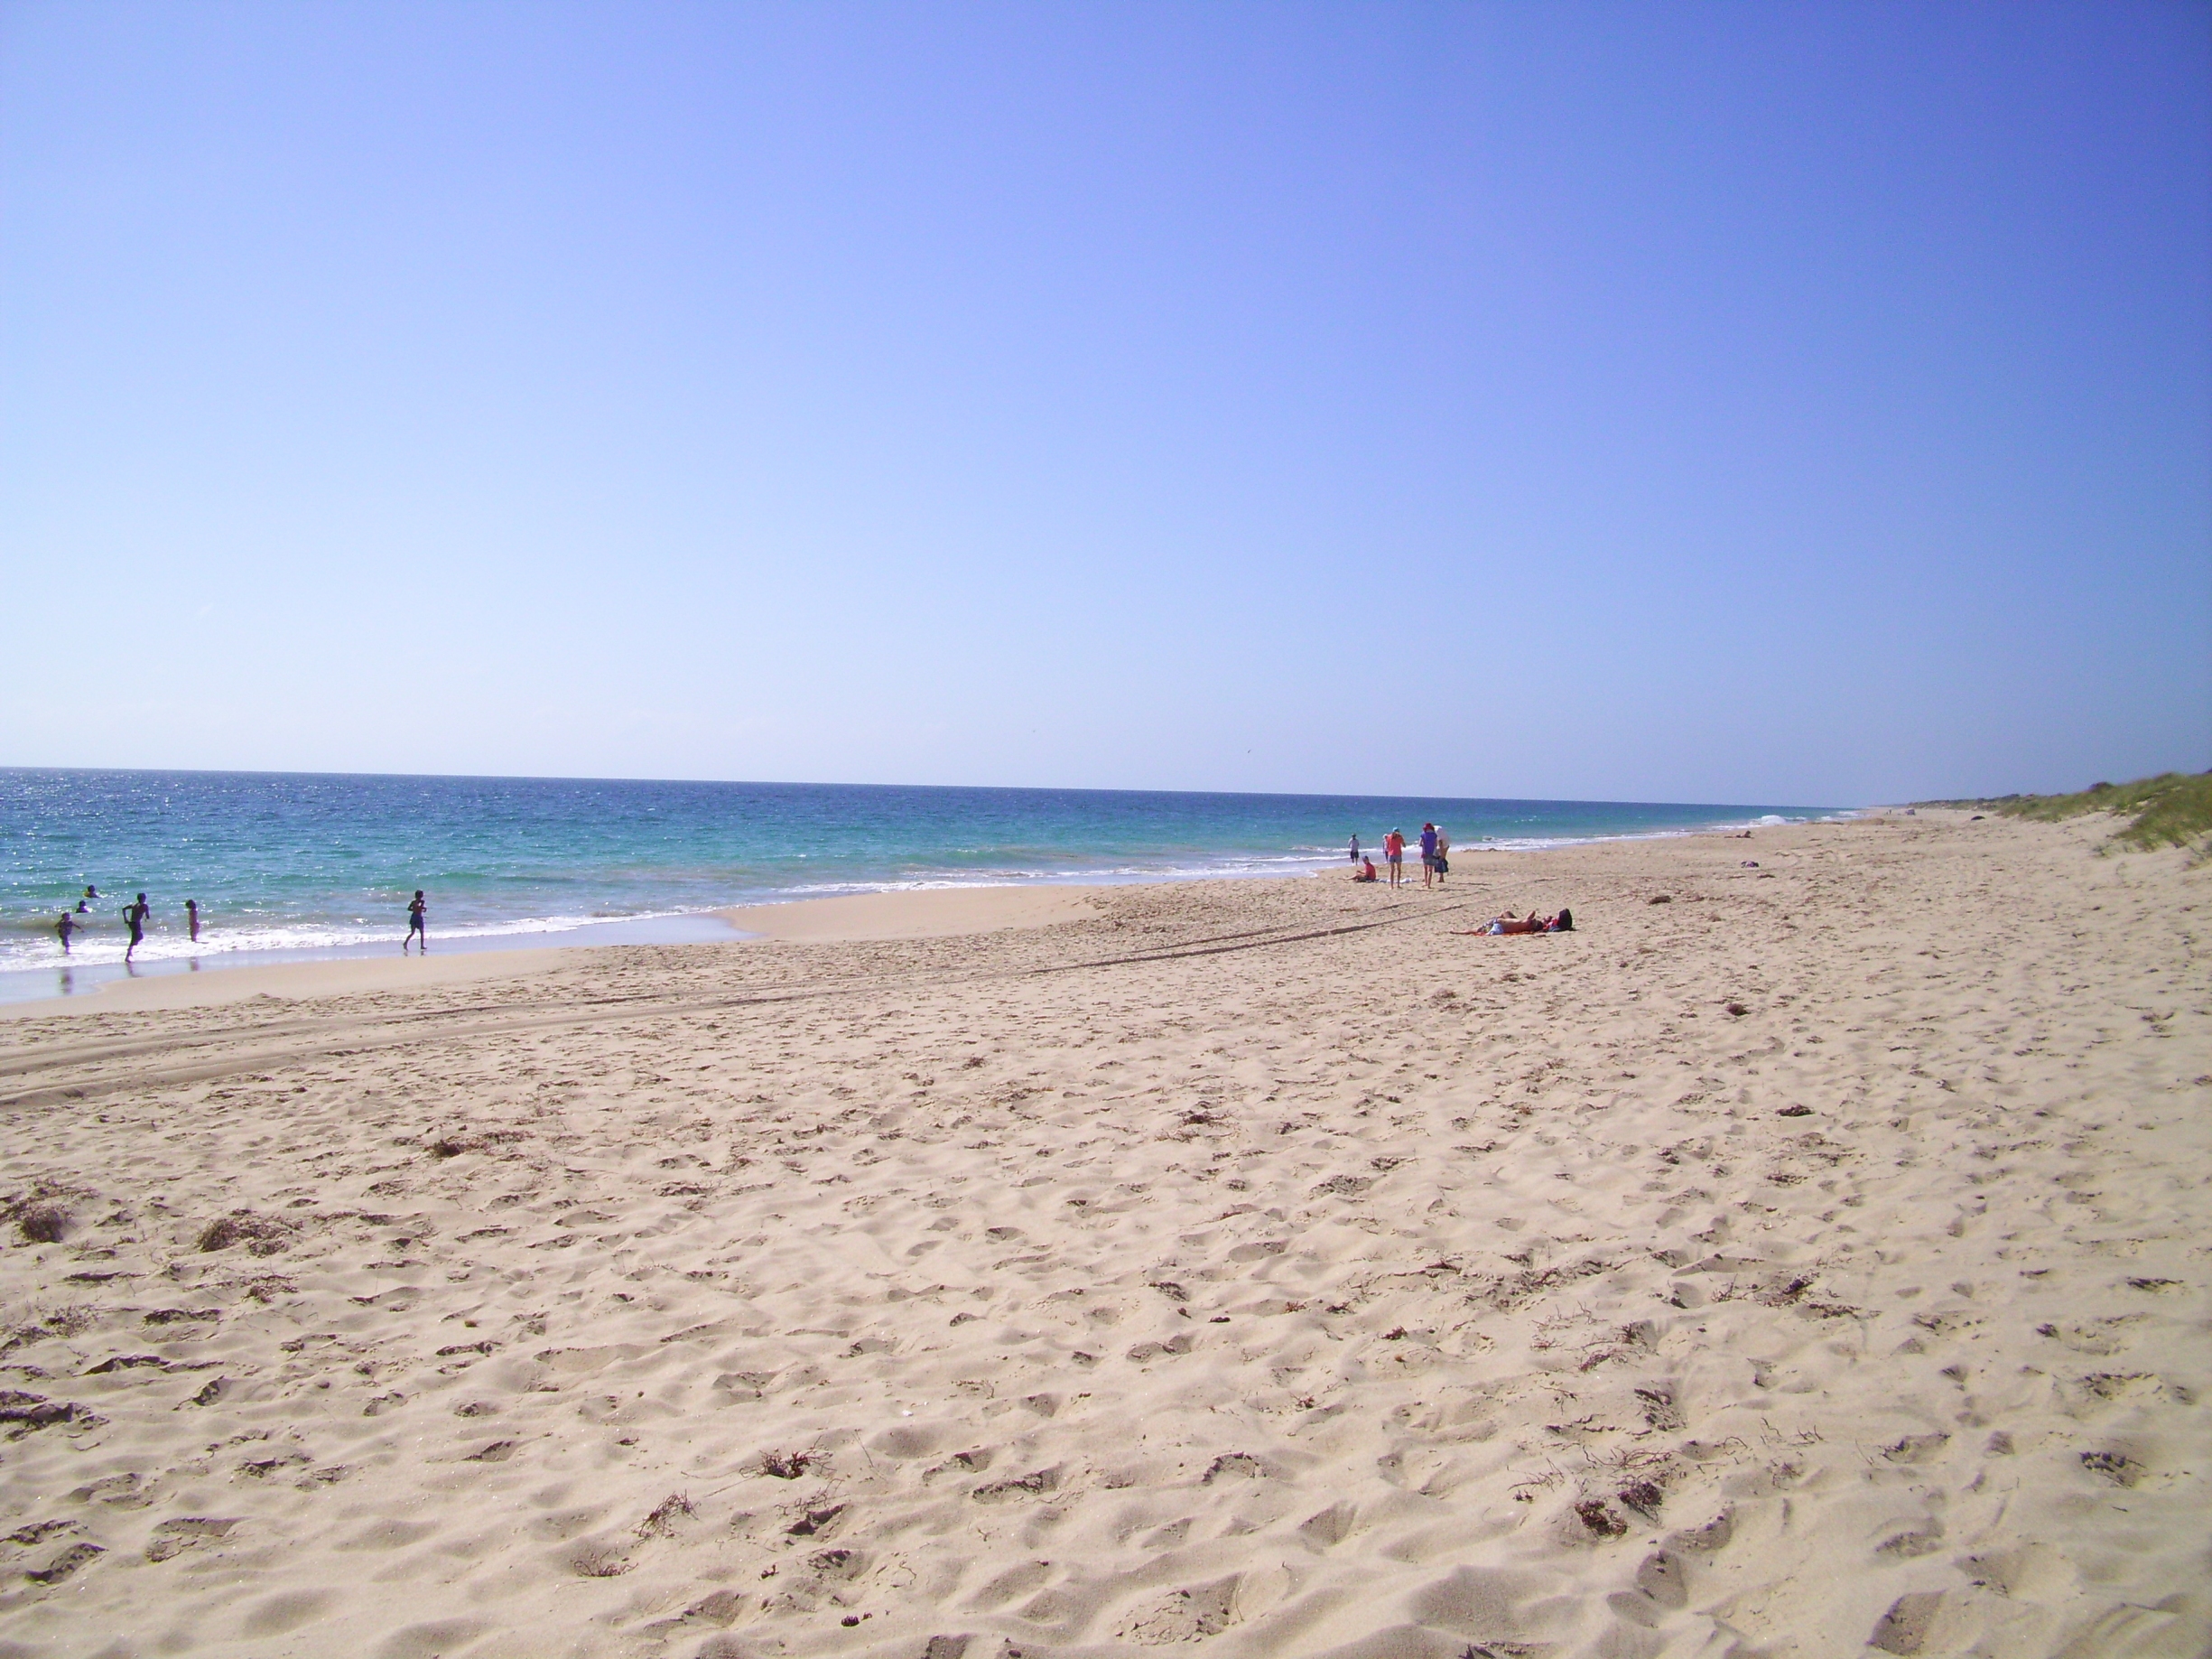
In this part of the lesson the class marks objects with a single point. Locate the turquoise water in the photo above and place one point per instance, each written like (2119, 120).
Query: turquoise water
(309, 864)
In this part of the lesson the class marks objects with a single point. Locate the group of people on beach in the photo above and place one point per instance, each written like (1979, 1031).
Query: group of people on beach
(135, 915)
(1436, 860)
(1435, 864)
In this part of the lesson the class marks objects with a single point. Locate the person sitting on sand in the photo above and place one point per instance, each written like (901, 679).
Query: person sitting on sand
(1366, 871)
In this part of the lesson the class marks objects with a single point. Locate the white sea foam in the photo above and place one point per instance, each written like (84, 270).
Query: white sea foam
(104, 944)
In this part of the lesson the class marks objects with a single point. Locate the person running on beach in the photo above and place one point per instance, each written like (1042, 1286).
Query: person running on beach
(135, 915)
(415, 924)
(1444, 848)
(1394, 856)
(65, 927)
(1428, 852)
(192, 916)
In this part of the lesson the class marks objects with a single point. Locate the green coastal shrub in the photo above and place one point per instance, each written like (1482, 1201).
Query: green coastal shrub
(2173, 809)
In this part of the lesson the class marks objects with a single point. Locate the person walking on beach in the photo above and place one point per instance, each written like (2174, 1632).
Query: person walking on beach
(135, 915)
(1444, 850)
(65, 927)
(192, 917)
(1394, 856)
(1428, 853)
(416, 925)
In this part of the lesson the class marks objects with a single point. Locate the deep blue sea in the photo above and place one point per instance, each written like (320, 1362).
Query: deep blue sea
(314, 864)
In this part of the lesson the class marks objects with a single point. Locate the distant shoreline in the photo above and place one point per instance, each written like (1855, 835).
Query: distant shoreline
(167, 955)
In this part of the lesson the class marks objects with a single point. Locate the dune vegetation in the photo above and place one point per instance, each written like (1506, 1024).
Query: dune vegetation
(2173, 809)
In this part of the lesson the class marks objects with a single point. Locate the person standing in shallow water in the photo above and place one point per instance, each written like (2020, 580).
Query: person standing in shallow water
(135, 915)
(64, 929)
(416, 911)
(192, 917)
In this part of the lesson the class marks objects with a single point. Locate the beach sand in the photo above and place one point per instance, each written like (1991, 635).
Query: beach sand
(1817, 1259)
(924, 913)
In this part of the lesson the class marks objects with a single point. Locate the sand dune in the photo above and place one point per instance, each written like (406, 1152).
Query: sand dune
(1815, 1259)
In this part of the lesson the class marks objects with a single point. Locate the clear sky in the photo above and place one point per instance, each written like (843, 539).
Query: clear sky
(1805, 404)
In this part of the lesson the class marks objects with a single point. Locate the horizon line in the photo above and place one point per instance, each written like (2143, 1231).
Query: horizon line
(763, 783)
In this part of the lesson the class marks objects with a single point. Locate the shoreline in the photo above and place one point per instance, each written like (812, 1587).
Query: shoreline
(113, 985)
(793, 919)
(924, 913)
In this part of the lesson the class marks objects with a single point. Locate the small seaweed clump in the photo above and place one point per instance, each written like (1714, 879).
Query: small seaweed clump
(41, 1215)
(41, 1224)
(1600, 1519)
(262, 1236)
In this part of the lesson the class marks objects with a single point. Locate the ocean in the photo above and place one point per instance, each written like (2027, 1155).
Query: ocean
(294, 865)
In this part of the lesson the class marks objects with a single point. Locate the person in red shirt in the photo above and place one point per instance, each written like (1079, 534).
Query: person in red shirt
(1394, 856)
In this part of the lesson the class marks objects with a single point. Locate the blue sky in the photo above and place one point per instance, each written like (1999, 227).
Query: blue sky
(1754, 402)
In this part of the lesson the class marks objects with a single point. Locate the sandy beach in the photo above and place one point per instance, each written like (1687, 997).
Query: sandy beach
(1807, 1255)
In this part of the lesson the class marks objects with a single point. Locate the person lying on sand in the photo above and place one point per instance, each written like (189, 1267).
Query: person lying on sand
(1508, 923)
(1531, 923)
